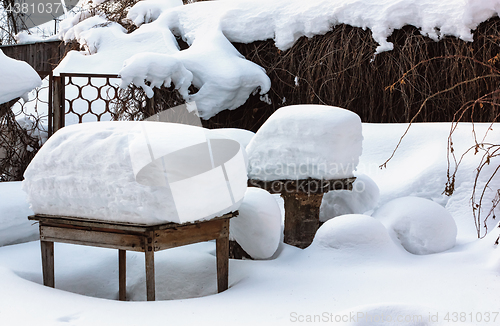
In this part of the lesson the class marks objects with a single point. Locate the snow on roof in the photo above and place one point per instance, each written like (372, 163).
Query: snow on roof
(224, 78)
(306, 141)
(16, 78)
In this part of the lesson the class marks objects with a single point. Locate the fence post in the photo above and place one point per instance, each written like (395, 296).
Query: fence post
(58, 103)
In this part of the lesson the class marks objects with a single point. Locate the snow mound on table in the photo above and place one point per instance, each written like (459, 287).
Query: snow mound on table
(242, 136)
(17, 78)
(420, 225)
(257, 228)
(353, 231)
(139, 172)
(306, 141)
(14, 211)
(362, 198)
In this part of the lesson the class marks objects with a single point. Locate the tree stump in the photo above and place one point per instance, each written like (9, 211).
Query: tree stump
(302, 202)
(237, 252)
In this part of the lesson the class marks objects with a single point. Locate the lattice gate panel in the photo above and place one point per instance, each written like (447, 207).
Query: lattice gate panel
(88, 97)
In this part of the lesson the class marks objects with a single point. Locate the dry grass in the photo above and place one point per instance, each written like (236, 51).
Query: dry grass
(339, 69)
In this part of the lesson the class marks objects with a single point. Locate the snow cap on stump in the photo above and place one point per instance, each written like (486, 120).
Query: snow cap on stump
(306, 141)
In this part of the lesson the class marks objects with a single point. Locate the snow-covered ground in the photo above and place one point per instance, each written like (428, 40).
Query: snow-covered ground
(353, 273)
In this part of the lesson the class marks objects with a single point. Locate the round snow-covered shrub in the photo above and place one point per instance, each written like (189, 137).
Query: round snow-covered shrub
(420, 225)
(257, 228)
(352, 231)
(362, 198)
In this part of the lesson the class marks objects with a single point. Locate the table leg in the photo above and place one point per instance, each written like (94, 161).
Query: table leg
(122, 274)
(48, 262)
(222, 253)
(150, 273)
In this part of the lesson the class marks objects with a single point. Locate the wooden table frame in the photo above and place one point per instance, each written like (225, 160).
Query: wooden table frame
(135, 237)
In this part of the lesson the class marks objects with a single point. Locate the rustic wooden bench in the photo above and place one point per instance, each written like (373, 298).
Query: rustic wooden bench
(136, 237)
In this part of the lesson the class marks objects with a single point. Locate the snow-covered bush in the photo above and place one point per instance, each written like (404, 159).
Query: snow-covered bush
(420, 225)
(353, 231)
(257, 228)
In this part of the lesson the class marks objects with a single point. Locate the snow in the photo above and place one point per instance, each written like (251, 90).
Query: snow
(14, 209)
(419, 166)
(353, 267)
(242, 136)
(354, 232)
(148, 11)
(17, 78)
(107, 46)
(139, 172)
(354, 279)
(306, 141)
(158, 70)
(363, 198)
(286, 21)
(257, 228)
(222, 77)
(420, 225)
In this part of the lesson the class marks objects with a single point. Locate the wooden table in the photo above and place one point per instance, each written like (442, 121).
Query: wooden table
(136, 237)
